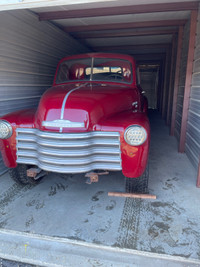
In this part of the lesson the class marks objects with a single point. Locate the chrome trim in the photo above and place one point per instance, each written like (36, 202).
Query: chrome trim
(133, 126)
(67, 135)
(10, 130)
(69, 152)
(69, 161)
(63, 124)
(65, 100)
(73, 152)
(71, 169)
(135, 104)
(74, 143)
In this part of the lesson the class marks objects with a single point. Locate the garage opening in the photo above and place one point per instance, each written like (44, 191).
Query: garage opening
(163, 37)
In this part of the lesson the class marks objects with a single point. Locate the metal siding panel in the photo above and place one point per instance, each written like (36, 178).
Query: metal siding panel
(29, 53)
(182, 80)
(193, 125)
(192, 157)
(195, 92)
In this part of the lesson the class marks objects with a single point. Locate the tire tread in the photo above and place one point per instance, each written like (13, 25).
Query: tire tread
(138, 185)
(19, 175)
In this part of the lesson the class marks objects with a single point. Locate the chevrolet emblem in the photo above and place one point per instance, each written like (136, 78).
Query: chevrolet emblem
(63, 124)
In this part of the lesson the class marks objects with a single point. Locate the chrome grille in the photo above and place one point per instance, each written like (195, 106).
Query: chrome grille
(69, 152)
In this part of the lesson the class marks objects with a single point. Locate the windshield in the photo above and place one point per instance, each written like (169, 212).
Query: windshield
(95, 69)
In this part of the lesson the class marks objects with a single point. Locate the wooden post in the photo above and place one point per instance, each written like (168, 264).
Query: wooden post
(171, 79)
(161, 78)
(188, 81)
(176, 79)
(165, 84)
(198, 176)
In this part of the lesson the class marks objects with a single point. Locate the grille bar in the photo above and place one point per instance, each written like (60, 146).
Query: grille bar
(73, 152)
(71, 169)
(69, 161)
(48, 135)
(67, 142)
(69, 152)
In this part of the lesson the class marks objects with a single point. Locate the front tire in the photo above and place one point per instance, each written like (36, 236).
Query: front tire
(138, 185)
(19, 175)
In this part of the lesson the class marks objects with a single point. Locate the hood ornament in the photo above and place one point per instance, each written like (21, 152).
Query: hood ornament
(63, 124)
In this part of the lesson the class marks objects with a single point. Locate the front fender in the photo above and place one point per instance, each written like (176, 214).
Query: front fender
(24, 118)
(134, 158)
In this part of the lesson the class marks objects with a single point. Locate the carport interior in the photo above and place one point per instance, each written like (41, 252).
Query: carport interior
(163, 36)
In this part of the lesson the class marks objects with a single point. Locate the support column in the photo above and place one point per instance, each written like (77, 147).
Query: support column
(165, 84)
(171, 79)
(188, 81)
(160, 97)
(176, 79)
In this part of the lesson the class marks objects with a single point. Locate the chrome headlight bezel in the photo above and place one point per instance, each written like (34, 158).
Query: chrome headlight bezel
(5, 129)
(140, 135)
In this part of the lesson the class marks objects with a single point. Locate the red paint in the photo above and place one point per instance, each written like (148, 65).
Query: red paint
(105, 106)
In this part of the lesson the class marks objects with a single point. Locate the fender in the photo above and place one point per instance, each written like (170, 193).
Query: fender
(18, 119)
(134, 158)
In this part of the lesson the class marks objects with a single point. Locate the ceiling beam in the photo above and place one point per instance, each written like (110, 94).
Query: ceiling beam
(131, 47)
(112, 34)
(118, 10)
(131, 25)
(154, 57)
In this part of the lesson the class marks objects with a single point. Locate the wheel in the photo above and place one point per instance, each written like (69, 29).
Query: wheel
(138, 185)
(19, 175)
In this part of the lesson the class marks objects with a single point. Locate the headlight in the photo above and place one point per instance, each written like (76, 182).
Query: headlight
(5, 129)
(135, 135)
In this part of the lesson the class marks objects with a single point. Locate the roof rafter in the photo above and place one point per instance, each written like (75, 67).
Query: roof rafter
(124, 33)
(132, 47)
(118, 10)
(115, 26)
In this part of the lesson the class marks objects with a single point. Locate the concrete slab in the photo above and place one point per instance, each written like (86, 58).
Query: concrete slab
(63, 206)
(56, 252)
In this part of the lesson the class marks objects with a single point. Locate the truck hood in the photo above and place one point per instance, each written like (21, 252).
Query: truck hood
(79, 107)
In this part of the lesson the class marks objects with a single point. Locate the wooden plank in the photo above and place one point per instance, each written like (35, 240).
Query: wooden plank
(117, 34)
(129, 25)
(117, 10)
(176, 80)
(188, 81)
(171, 80)
(131, 47)
(131, 195)
(164, 93)
(160, 88)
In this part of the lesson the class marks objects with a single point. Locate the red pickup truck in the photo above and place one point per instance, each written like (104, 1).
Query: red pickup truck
(94, 117)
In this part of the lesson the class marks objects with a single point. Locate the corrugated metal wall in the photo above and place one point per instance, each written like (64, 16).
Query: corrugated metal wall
(29, 53)
(184, 54)
(193, 126)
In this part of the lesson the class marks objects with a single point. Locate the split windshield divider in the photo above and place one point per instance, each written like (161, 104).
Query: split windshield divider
(92, 66)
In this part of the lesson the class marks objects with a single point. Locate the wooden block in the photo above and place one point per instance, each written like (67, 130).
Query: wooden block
(131, 195)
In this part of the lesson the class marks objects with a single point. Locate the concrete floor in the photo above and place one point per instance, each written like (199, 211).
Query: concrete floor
(64, 206)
